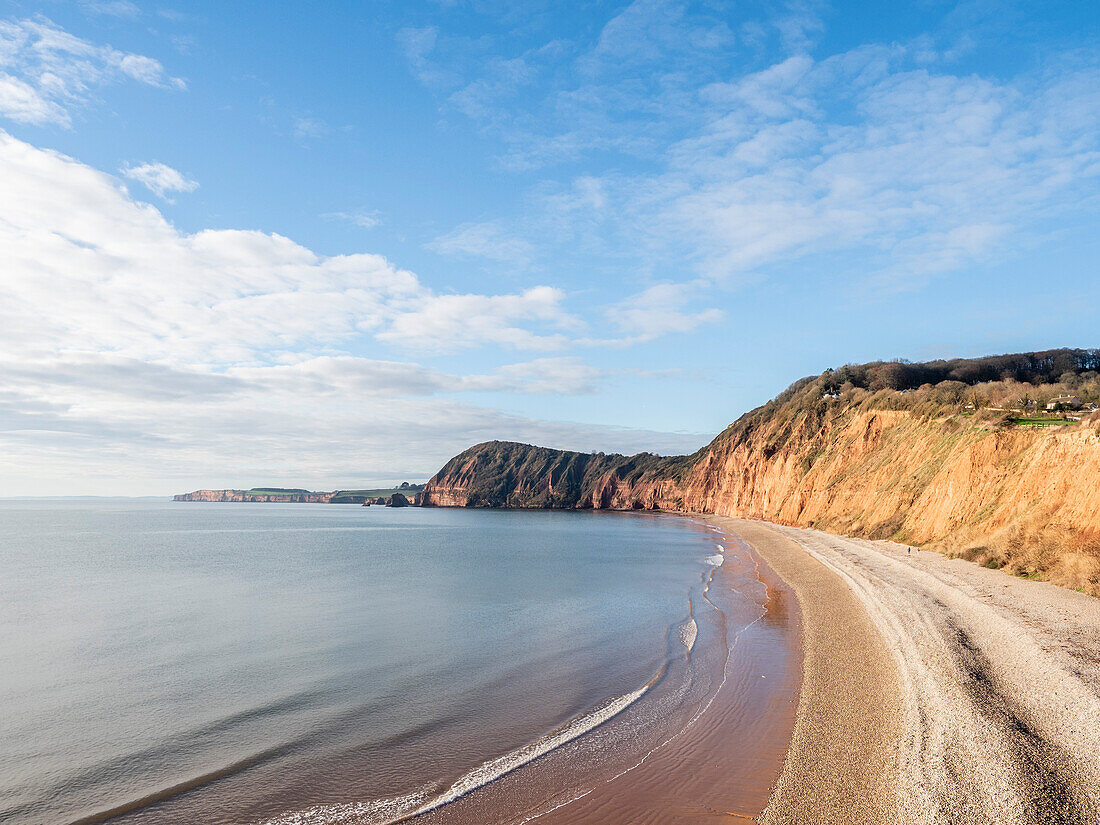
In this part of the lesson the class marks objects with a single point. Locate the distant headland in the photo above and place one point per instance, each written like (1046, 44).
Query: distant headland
(403, 495)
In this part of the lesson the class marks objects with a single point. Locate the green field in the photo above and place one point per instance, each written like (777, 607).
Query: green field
(1040, 422)
(387, 491)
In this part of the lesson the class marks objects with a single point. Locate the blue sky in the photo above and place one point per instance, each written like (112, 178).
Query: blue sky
(333, 244)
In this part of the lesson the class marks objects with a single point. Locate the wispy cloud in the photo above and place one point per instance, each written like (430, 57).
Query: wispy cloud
(309, 128)
(144, 446)
(921, 172)
(160, 178)
(362, 218)
(737, 153)
(485, 240)
(111, 8)
(418, 44)
(347, 376)
(659, 310)
(448, 322)
(45, 72)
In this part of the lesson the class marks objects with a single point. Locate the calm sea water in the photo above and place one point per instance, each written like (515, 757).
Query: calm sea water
(230, 663)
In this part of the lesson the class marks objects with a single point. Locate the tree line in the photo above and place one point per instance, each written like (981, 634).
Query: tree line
(1036, 368)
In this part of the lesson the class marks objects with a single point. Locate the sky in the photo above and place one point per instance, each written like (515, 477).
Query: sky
(329, 245)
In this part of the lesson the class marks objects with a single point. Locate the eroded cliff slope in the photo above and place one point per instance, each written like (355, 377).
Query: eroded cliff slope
(977, 467)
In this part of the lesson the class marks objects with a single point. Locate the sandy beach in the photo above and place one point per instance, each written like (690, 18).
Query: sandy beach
(934, 690)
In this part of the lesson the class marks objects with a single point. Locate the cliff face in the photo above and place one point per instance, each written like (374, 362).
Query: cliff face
(1024, 498)
(245, 495)
(507, 474)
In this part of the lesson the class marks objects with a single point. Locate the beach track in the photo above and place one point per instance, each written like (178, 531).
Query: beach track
(934, 690)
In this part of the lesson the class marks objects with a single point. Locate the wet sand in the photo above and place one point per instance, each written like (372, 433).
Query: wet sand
(835, 680)
(724, 766)
(843, 754)
(932, 691)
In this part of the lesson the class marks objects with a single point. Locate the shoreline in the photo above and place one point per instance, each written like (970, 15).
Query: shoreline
(718, 763)
(340, 768)
(842, 752)
(723, 766)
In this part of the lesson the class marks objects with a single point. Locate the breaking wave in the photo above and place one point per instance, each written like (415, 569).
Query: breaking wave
(496, 768)
(398, 809)
(376, 812)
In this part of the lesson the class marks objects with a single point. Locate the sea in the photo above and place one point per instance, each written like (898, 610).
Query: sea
(298, 664)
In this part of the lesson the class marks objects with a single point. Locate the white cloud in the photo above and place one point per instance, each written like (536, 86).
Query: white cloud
(659, 310)
(105, 425)
(738, 154)
(800, 24)
(484, 240)
(22, 103)
(116, 276)
(137, 358)
(45, 71)
(555, 376)
(263, 434)
(160, 178)
(418, 44)
(351, 376)
(308, 128)
(935, 171)
(502, 78)
(649, 31)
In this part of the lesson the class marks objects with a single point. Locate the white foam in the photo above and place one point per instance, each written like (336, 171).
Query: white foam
(399, 809)
(375, 812)
(688, 631)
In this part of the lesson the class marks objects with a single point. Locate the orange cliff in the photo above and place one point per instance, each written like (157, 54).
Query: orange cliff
(1022, 497)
